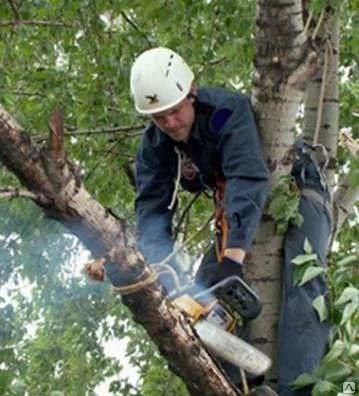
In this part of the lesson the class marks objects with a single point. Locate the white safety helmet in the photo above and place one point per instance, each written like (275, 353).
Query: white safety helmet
(160, 79)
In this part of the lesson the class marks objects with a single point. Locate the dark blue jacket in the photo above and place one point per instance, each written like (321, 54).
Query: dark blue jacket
(223, 141)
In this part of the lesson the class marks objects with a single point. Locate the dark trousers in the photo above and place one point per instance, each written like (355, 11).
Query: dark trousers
(302, 338)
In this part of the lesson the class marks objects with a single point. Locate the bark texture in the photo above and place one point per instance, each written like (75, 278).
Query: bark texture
(58, 190)
(343, 202)
(283, 64)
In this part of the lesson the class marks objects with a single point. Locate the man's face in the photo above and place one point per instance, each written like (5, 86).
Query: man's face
(177, 121)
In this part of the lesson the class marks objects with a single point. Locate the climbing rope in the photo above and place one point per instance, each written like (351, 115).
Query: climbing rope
(135, 287)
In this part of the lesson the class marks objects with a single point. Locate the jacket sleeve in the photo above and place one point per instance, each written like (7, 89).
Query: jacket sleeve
(244, 169)
(154, 192)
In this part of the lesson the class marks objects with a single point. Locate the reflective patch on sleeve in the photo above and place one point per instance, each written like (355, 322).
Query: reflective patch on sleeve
(219, 118)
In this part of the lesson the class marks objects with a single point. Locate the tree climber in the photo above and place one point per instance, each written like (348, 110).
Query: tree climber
(207, 139)
(204, 139)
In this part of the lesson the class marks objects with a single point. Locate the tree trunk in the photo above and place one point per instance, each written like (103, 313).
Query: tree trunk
(284, 63)
(60, 193)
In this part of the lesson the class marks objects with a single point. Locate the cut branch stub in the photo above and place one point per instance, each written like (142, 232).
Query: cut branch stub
(56, 137)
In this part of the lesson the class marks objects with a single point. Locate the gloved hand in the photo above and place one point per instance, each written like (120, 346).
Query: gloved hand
(229, 267)
(214, 272)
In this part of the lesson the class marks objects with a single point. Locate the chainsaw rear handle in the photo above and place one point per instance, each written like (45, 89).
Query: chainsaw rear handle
(235, 292)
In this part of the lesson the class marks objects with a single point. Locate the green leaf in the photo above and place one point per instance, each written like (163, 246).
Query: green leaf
(303, 380)
(347, 260)
(321, 308)
(307, 246)
(298, 272)
(310, 273)
(323, 388)
(349, 294)
(348, 312)
(337, 371)
(354, 350)
(298, 219)
(304, 258)
(335, 351)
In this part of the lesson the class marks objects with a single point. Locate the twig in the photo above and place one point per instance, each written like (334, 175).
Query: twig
(316, 30)
(99, 131)
(133, 24)
(351, 144)
(321, 98)
(30, 22)
(22, 93)
(343, 204)
(97, 163)
(187, 208)
(11, 192)
(186, 242)
(104, 130)
(215, 62)
(14, 9)
(310, 17)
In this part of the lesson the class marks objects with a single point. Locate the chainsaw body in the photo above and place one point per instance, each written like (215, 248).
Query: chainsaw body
(216, 313)
(227, 302)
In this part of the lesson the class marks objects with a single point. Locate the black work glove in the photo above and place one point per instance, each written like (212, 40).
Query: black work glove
(214, 272)
(229, 267)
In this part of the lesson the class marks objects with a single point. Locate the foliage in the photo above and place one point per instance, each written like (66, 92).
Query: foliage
(340, 364)
(284, 204)
(306, 267)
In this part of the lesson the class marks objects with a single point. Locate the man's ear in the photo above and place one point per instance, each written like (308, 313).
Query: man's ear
(192, 93)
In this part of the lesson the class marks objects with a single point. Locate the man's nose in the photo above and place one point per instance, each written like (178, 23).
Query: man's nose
(170, 121)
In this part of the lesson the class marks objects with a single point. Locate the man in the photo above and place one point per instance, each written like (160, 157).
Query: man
(207, 139)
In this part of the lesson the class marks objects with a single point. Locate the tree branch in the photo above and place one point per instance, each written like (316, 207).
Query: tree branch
(185, 211)
(29, 22)
(22, 93)
(345, 196)
(103, 130)
(133, 24)
(343, 202)
(14, 192)
(14, 9)
(114, 239)
(98, 131)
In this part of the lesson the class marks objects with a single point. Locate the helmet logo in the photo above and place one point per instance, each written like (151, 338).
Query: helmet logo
(152, 99)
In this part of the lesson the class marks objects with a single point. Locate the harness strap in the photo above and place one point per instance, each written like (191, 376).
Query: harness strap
(221, 220)
(315, 196)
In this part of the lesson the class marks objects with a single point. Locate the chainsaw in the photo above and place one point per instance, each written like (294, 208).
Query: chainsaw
(216, 312)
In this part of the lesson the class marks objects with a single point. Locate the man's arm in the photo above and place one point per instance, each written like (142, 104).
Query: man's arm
(246, 175)
(154, 192)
